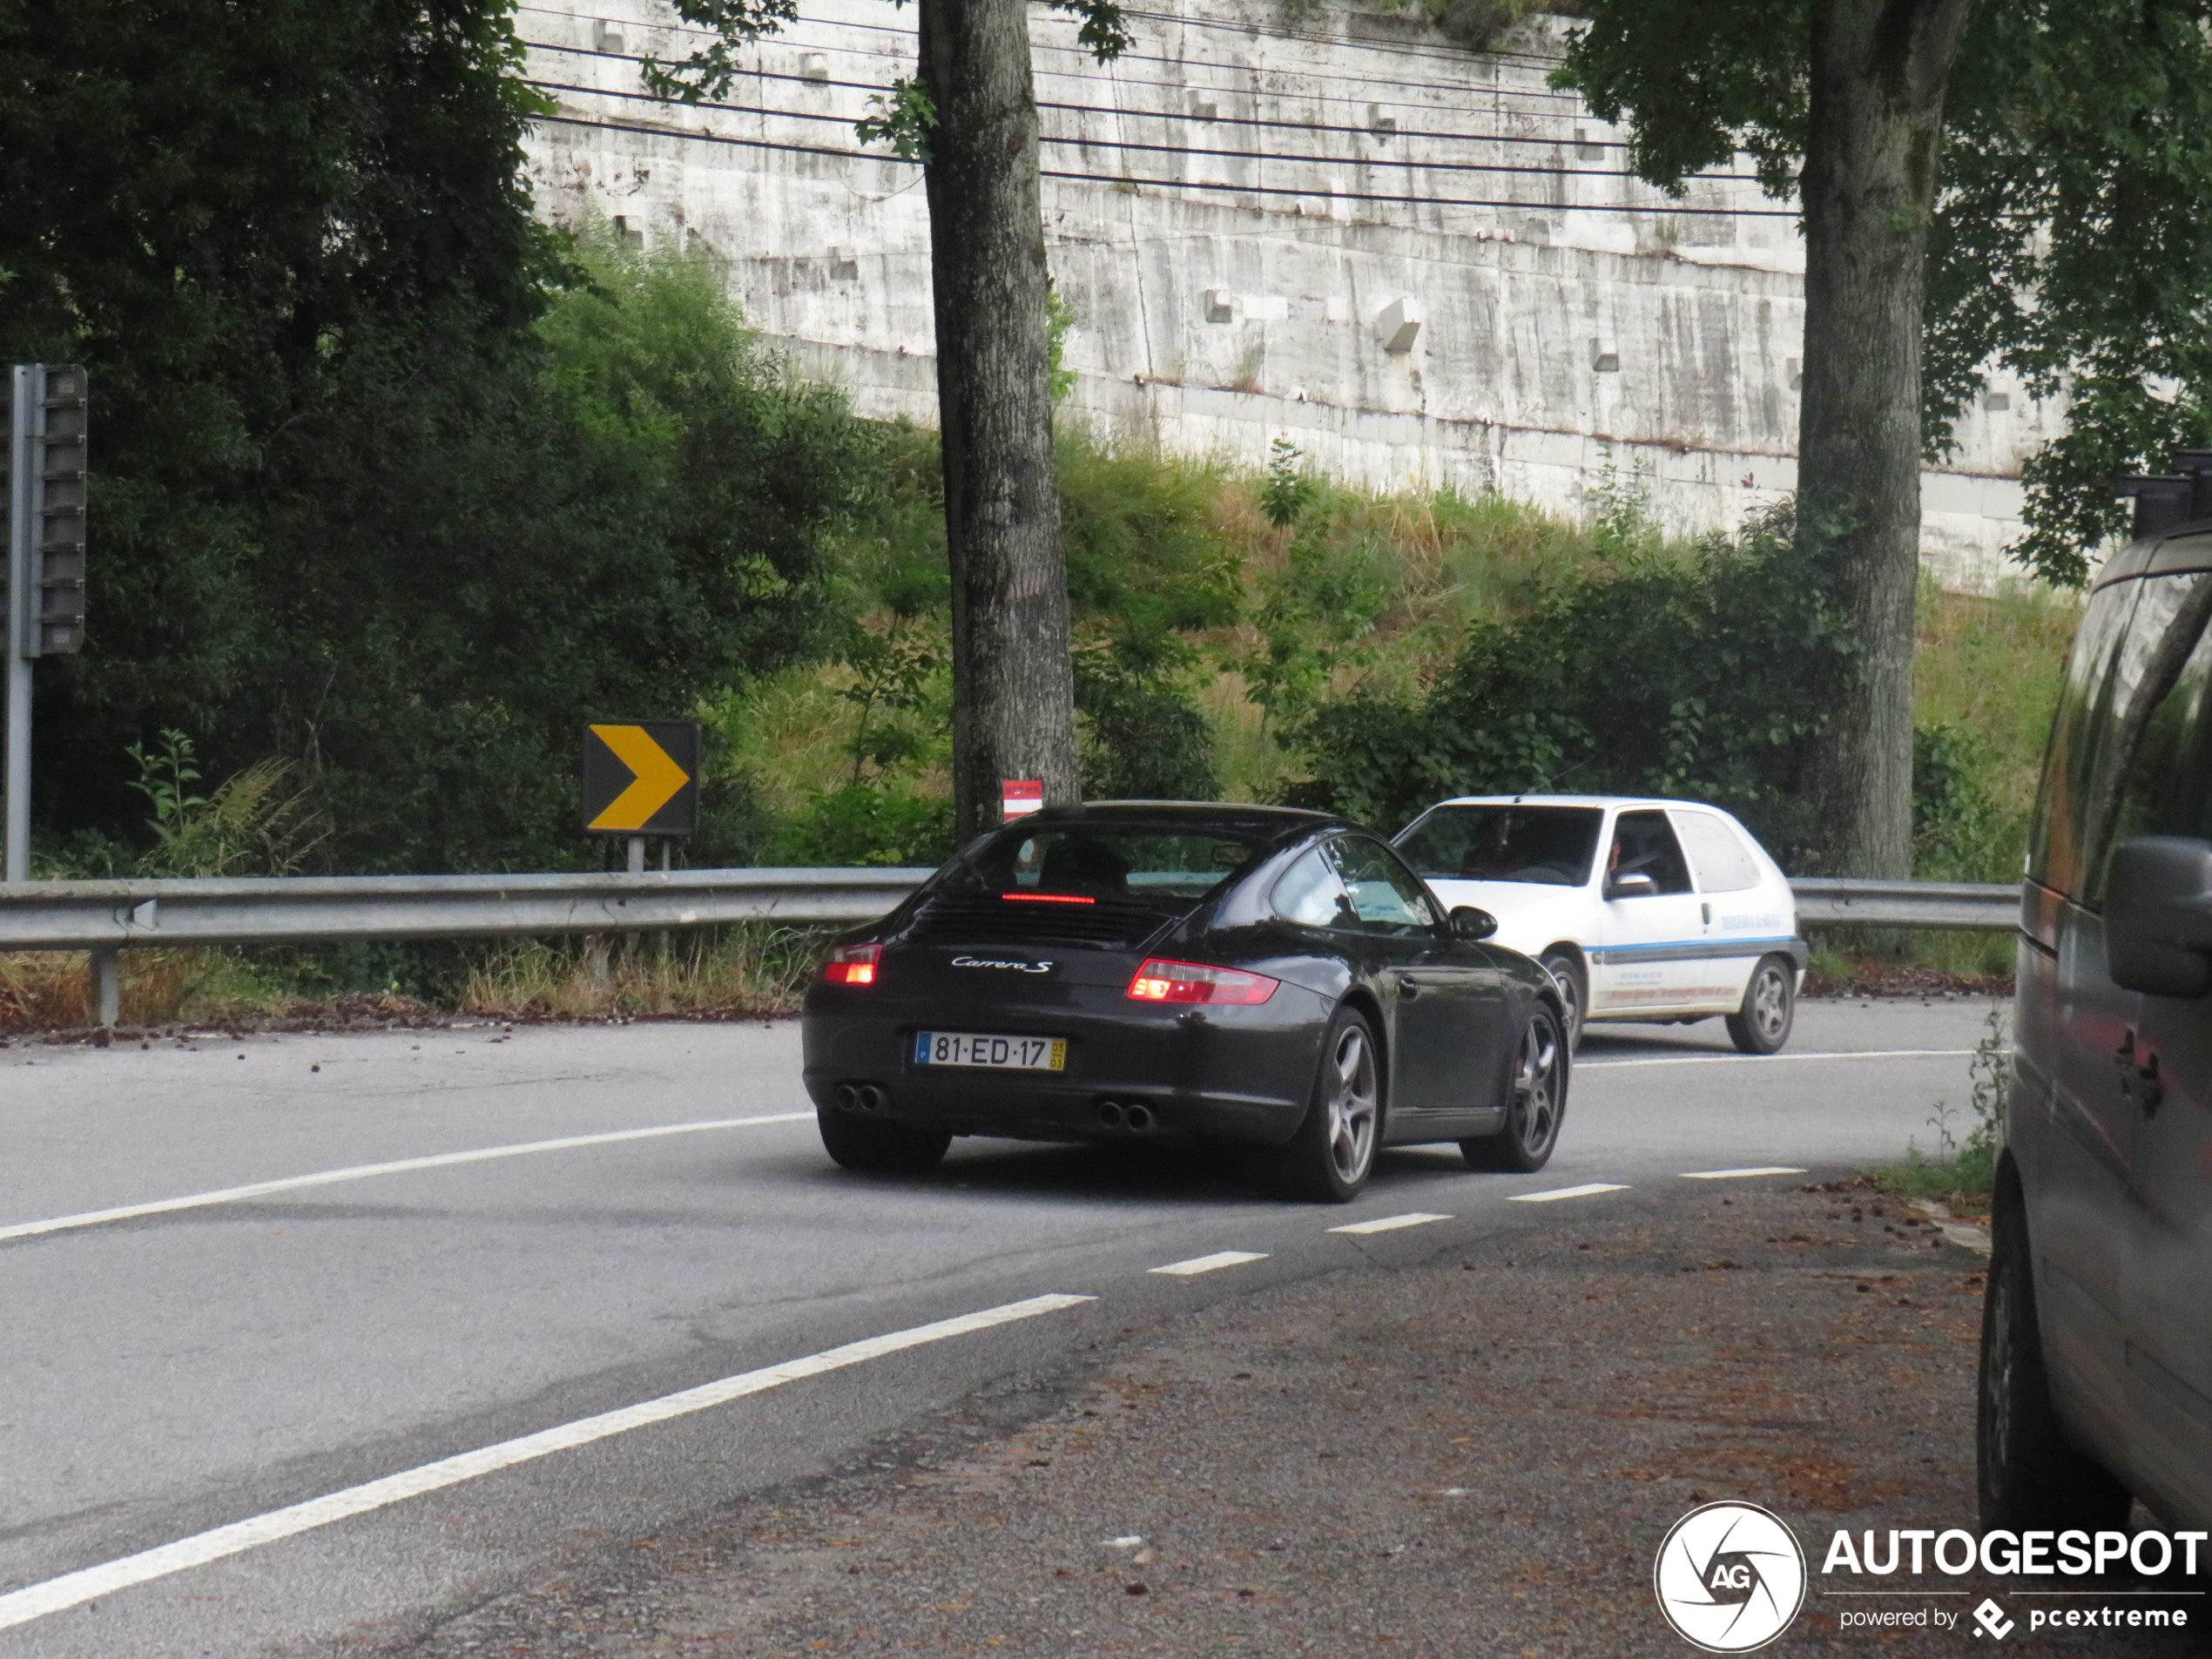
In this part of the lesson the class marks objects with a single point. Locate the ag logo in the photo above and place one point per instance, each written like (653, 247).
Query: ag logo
(1730, 1577)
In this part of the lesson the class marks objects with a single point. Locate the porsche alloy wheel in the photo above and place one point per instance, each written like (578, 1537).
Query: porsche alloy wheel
(1329, 1159)
(1536, 1106)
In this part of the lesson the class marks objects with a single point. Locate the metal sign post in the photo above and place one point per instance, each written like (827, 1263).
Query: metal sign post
(26, 384)
(47, 410)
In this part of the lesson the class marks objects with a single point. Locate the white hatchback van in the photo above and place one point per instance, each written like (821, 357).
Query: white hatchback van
(1652, 910)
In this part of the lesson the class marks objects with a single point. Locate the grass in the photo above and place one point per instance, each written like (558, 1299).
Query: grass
(49, 990)
(738, 971)
(1993, 665)
(746, 970)
(1958, 1172)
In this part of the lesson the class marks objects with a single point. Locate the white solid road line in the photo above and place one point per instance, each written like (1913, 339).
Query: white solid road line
(1738, 1174)
(1208, 1263)
(363, 1172)
(1557, 1193)
(36, 1600)
(1389, 1224)
(1773, 1059)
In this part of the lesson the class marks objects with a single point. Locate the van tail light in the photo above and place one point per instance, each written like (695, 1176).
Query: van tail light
(852, 965)
(1164, 981)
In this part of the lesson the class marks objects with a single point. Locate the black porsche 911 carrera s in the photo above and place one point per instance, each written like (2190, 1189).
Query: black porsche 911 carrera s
(1142, 969)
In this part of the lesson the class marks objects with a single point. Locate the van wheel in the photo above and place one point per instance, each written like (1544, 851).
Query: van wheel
(2027, 1476)
(859, 1143)
(1574, 993)
(1761, 1025)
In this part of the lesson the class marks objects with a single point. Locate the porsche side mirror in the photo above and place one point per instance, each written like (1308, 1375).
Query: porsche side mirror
(1635, 885)
(1467, 923)
(2158, 916)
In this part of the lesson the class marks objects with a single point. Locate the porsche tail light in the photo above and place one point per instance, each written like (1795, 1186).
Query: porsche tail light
(1163, 981)
(852, 965)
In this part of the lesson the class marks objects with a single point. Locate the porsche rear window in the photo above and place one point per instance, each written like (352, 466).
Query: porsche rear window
(1101, 861)
(1549, 845)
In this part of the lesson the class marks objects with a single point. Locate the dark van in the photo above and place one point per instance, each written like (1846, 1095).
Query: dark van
(2097, 1350)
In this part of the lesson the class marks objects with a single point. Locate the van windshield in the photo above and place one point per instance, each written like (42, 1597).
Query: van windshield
(1550, 845)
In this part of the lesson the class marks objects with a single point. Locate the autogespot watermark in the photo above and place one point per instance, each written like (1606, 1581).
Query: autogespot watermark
(1731, 1577)
(2039, 1557)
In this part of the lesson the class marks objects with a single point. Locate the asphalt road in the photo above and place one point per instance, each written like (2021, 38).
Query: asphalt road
(224, 1425)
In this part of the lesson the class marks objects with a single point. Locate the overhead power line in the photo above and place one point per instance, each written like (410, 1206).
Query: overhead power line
(1095, 142)
(1268, 123)
(1172, 186)
(800, 42)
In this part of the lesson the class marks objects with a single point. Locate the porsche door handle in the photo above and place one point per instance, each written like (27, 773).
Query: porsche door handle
(1408, 987)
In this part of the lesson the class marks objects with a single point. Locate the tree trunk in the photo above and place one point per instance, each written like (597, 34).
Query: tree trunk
(1013, 692)
(1879, 69)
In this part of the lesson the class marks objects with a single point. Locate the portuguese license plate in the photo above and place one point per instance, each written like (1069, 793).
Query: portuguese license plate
(995, 1054)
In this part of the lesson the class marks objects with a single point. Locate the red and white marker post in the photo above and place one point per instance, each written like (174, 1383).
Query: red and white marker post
(1018, 798)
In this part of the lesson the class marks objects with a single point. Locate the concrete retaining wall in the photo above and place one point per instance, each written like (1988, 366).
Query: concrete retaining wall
(1422, 266)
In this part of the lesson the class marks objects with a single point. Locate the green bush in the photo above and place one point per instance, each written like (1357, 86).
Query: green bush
(1960, 831)
(867, 824)
(463, 555)
(1704, 677)
(1141, 739)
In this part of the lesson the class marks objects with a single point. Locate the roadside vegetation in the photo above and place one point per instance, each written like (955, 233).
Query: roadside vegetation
(666, 515)
(1960, 1166)
(1257, 636)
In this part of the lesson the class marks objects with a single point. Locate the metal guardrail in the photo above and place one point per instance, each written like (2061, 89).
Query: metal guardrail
(105, 917)
(1959, 906)
(109, 916)
(287, 910)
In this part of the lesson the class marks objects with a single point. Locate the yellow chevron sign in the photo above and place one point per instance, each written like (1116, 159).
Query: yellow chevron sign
(642, 779)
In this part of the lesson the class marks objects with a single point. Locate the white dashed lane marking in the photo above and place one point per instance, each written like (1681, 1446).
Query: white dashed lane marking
(1389, 1224)
(1208, 1263)
(72, 1589)
(1771, 1059)
(1739, 1174)
(1591, 1191)
(364, 1171)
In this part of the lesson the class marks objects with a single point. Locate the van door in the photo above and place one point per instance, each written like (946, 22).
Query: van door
(2161, 1074)
(1650, 949)
(2071, 1134)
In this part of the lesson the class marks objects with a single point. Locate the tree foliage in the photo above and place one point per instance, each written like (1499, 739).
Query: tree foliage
(388, 483)
(1708, 678)
(2068, 246)
(2073, 248)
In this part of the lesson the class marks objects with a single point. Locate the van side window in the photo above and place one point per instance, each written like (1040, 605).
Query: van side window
(2167, 790)
(2163, 634)
(2054, 852)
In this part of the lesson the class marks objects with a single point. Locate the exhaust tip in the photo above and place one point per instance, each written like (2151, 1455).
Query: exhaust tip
(1110, 1114)
(871, 1099)
(848, 1097)
(1139, 1117)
